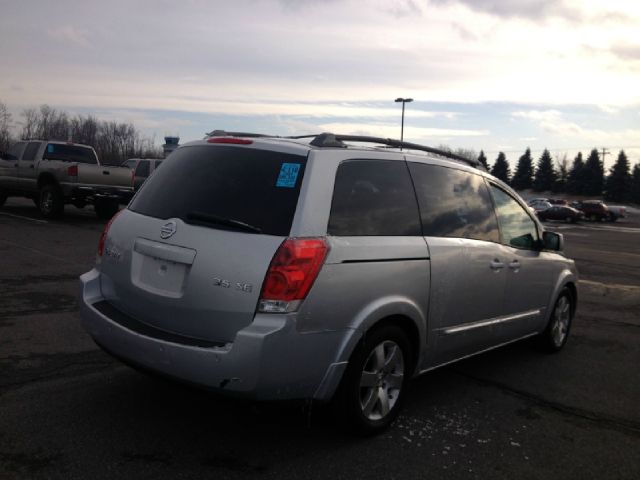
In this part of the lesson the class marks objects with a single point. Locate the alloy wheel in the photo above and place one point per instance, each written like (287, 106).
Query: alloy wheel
(381, 380)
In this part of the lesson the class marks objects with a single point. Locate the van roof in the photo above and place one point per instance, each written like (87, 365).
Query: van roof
(330, 140)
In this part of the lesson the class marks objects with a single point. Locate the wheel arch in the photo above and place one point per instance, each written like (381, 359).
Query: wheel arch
(47, 179)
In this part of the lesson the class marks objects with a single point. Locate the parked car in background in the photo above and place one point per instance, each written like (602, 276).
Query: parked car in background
(618, 210)
(557, 201)
(57, 173)
(142, 168)
(595, 210)
(562, 213)
(322, 268)
(539, 204)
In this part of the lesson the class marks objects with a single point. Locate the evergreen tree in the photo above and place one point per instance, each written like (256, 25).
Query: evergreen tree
(635, 184)
(618, 183)
(575, 177)
(483, 160)
(523, 178)
(593, 179)
(501, 168)
(545, 177)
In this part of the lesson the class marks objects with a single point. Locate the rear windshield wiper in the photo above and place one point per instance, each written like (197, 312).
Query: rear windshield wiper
(209, 219)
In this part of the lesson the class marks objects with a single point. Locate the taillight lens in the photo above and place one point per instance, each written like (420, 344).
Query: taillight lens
(103, 237)
(72, 171)
(291, 274)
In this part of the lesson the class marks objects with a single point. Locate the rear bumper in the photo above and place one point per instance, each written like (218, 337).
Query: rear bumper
(91, 193)
(267, 360)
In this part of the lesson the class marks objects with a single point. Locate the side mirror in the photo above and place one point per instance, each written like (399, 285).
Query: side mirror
(553, 241)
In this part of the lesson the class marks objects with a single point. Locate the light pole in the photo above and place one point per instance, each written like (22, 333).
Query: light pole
(403, 100)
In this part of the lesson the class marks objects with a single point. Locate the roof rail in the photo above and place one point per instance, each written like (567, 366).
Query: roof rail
(331, 140)
(328, 140)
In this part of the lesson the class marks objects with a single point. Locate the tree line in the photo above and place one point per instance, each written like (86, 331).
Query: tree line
(586, 178)
(113, 141)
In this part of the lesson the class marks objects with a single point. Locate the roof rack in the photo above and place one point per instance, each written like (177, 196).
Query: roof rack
(331, 140)
(328, 140)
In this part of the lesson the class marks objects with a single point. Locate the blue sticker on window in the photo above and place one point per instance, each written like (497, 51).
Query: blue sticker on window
(50, 148)
(288, 175)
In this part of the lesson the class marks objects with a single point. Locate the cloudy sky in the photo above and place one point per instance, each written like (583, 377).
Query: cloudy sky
(484, 74)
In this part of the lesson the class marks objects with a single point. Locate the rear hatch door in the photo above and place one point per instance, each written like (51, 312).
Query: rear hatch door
(190, 253)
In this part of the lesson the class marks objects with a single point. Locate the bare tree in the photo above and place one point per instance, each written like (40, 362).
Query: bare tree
(5, 128)
(113, 141)
(30, 124)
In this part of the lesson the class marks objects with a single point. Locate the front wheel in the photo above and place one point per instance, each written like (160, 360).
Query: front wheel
(376, 379)
(556, 334)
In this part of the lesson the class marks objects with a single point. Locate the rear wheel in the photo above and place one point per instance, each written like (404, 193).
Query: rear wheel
(51, 201)
(557, 332)
(376, 379)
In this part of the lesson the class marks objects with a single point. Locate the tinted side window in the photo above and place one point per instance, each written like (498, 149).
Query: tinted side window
(373, 198)
(30, 151)
(516, 226)
(142, 170)
(454, 203)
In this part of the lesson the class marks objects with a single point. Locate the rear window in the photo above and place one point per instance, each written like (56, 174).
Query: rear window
(70, 153)
(254, 187)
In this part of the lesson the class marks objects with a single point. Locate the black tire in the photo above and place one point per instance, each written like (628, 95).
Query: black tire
(105, 209)
(51, 201)
(555, 336)
(383, 363)
(3, 198)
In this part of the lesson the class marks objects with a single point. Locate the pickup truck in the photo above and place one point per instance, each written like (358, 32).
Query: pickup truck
(56, 173)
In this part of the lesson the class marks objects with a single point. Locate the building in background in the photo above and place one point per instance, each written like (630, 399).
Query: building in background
(170, 144)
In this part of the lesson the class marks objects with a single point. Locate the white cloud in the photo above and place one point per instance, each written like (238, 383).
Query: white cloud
(393, 131)
(69, 34)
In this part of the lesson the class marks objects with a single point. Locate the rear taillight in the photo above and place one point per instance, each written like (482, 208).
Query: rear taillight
(103, 237)
(291, 274)
(72, 171)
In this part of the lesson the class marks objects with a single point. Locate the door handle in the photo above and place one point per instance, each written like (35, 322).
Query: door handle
(496, 265)
(515, 265)
(106, 172)
(31, 166)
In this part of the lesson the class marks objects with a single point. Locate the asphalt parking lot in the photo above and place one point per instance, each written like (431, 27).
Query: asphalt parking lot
(67, 410)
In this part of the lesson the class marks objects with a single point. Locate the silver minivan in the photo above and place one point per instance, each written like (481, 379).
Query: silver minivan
(331, 267)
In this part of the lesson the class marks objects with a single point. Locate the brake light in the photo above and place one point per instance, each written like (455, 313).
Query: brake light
(291, 274)
(232, 140)
(103, 237)
(72, 171)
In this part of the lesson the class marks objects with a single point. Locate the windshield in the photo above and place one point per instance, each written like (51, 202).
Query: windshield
(234, 188)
